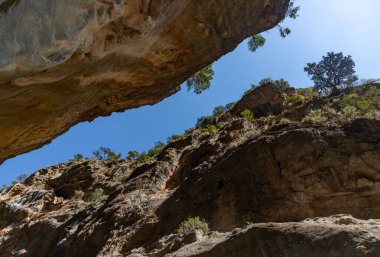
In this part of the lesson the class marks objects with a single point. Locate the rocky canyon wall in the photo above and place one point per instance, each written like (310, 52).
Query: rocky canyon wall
(64, 62)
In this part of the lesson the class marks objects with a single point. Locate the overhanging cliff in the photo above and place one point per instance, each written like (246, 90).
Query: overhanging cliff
(64, 62)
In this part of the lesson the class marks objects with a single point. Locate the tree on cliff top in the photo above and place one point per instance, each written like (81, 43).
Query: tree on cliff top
(334, 72)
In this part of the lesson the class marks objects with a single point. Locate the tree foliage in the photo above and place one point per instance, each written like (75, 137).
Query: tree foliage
(22, 177)
(334, 72)
(77, 157)
(201, 80)
(156, 149)
(132, 155)
(148, 156)
(219, 110)
(105, 153)
(257, 41)
(281, 84)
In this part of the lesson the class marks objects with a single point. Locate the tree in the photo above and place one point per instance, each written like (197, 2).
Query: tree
(257, 41)
(77, 157)
(334, 72)
(156, 149)
(105, 153)
(133, 155)
(281, 84)
(219, 110)
(203, 121)
(201, 80)
(22, 177)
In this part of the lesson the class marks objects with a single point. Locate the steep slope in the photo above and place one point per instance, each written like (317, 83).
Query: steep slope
(276, 173)
(64, 62)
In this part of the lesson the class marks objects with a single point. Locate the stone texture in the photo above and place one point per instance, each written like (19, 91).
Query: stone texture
(337, 236)
(276, 176)
(261, 101)
(64, 62)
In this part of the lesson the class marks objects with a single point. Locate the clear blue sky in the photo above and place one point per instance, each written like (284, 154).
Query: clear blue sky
(348, 26)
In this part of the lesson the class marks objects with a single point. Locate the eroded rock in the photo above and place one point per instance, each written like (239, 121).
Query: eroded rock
(290, 181)
(306, 238)
(64, 62)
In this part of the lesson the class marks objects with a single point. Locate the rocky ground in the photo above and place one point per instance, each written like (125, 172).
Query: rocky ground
(300, 179)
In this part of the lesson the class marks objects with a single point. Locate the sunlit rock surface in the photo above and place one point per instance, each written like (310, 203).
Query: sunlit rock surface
(63, 62)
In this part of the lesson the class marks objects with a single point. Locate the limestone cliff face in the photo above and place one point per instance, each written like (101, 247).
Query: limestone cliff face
(276, 174)
(63, 62)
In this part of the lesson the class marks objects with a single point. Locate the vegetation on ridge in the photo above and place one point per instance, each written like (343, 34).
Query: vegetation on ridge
(334, 75)
(334, 72)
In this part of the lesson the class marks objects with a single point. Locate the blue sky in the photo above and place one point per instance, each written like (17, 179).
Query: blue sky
(348, 26)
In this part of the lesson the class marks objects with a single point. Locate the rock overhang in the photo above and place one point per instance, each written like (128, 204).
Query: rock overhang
(64, 62)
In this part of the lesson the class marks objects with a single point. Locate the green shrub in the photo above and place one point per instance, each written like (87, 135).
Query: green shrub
(209, 129)
(123, 178)
(77, 157)
(362, 104)
(350, 112)
(248, 115)
(78, 195)
(328, 113)
(376, 103)
(307, 92)
(96, 196)
(280, 84)
(373, 91)
(144, 158)
(174, 138)
(294, 100)
(203, 121)
(285, 121)
(315, 116)
(193, 224)
(156, 149)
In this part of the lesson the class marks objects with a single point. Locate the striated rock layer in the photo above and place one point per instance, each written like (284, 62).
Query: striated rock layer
(274, 174)
(63, 62)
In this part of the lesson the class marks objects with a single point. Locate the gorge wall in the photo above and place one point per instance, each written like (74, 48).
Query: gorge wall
(64, 62)
(279, 185)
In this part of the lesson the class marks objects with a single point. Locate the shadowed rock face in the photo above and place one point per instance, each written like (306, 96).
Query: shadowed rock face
(279, 176)
(63, 62)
